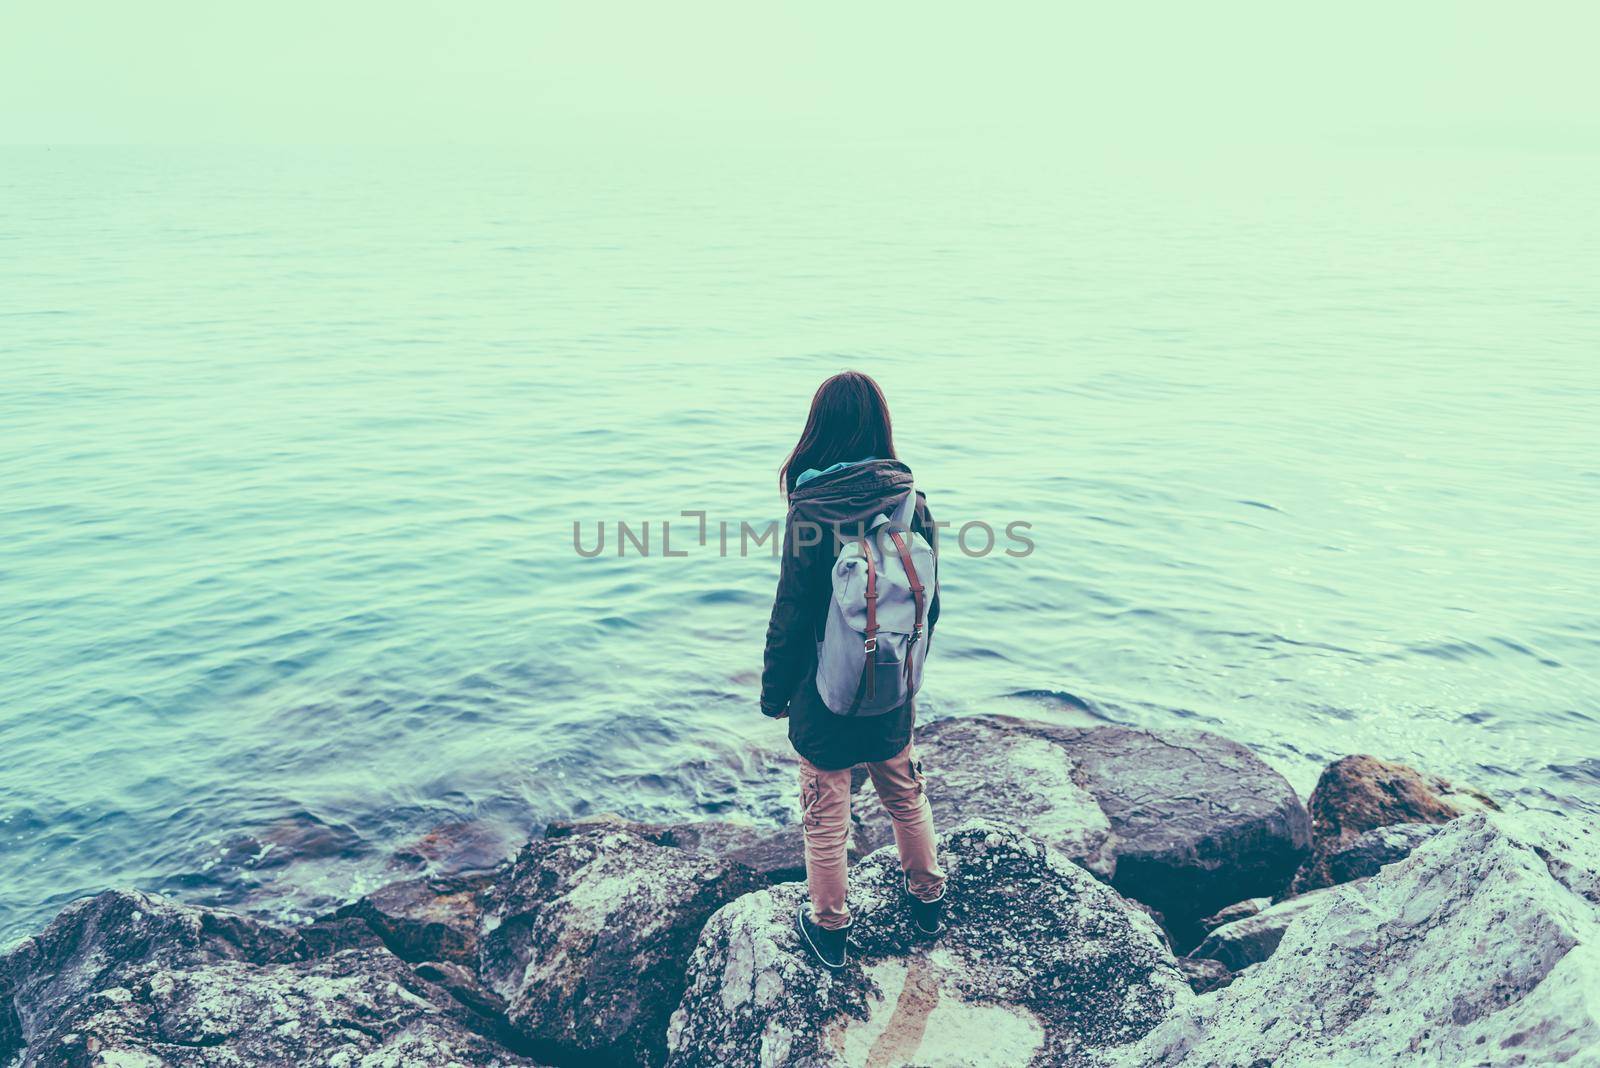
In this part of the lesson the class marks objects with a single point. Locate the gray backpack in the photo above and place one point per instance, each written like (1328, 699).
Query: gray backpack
(870, 658)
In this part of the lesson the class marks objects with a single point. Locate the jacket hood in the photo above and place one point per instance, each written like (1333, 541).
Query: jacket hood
(852, 494)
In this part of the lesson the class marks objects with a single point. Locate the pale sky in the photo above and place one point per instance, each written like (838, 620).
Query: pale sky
(400, 71)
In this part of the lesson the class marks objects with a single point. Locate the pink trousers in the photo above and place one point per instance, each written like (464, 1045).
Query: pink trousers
(825, 809)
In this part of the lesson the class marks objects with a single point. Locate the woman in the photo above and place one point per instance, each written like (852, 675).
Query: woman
(842, 474)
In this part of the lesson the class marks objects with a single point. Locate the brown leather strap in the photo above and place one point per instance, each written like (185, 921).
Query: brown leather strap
(917, 589)
(916, 592)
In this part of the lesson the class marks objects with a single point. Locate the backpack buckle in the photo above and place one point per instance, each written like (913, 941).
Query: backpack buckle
(916, 634)
(872, 644)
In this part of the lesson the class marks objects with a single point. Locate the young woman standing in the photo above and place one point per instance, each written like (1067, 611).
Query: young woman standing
(842, 476)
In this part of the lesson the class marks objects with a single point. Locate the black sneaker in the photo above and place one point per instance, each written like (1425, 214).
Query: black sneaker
(827, 946)
(927, 916)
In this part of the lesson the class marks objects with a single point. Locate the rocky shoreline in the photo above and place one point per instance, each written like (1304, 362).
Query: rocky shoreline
(1117, 897)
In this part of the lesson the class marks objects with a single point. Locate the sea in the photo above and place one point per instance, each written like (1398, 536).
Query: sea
(305, 454)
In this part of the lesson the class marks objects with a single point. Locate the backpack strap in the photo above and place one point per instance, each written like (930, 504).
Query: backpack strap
(868, 685)
(917, 592)
(903, 515)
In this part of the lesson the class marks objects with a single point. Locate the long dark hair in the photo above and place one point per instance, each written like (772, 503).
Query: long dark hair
(849, 420)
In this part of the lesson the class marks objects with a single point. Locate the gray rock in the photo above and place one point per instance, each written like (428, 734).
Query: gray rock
(1016, 771)
(1204, 974)
(776, 854)
(94, 942)
(1480, 948)
(358, 1007)
(1252, 939)
(134, 980)
(1184, 821)
(1041, 965)
(433, 919)
(327, 935)
(1236, 911)
(587, 936)
(1361, 856)
(465, 986)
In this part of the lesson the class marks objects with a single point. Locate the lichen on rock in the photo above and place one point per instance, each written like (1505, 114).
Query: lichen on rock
(586, 938)
(131, 979)
(1480, 948)
(1041, 964)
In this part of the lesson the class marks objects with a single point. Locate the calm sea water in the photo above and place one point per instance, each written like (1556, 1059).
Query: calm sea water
(292, 445)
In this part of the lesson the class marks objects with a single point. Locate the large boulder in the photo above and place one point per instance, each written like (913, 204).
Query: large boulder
(587, 935)
(1184, 821)
(1041, 964)
(134, 980)
(1358, 794)
(1481, 948)
(1252, 939)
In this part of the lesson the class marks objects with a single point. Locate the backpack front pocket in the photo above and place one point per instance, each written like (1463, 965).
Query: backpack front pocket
(856, 681)
(884, 688)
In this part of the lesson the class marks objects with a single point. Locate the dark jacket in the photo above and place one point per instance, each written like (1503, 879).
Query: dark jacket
(844, 499)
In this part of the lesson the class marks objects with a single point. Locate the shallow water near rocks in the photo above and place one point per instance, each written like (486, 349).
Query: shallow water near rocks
(292, 446)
